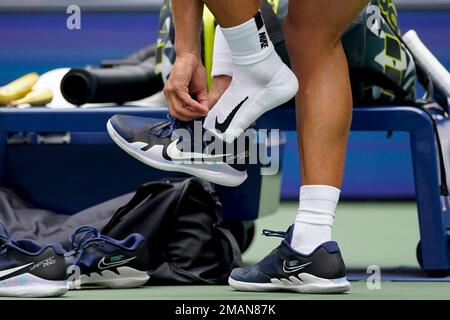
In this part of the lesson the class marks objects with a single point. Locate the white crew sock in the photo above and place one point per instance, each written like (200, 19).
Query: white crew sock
(315, 217)
(261, 81)
(222, 61)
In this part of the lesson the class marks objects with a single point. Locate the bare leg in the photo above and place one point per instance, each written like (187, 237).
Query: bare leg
(324, 109)
(218, 86)
(324, 102)
(230, 13)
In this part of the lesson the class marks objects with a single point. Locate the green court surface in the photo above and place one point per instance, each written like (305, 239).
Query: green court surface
(369, 233)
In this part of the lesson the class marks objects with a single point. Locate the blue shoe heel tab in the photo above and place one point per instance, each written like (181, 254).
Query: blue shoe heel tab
(330, 247)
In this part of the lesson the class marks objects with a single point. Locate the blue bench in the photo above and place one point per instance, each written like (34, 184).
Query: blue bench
(433, 209)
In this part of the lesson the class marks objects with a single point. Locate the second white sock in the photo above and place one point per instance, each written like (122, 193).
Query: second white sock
(315, 217)
(222, 61)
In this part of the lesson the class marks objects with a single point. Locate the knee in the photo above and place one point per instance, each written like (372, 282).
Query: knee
(308, 39)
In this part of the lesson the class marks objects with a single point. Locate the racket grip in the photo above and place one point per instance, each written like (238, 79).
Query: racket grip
(428, 62)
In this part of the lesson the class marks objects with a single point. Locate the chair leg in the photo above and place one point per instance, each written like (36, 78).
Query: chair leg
(433, 234)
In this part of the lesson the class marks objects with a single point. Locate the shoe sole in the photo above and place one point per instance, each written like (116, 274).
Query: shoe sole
(209, 175)
(303, 283)
(125, 277)
(29, 286)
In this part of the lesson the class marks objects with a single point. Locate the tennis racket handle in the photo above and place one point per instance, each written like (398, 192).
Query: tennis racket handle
(428, 62)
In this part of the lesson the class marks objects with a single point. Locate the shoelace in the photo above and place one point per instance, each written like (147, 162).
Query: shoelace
(5, 238)
(4, 234)
(174, 124)
(83, 238)
(270, 233)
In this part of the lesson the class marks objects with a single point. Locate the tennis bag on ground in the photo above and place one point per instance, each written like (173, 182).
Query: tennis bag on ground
(182, 223)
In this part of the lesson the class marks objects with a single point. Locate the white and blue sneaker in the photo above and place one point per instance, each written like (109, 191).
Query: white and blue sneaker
(103, 261)
(153, 142)
(30, 270)
(285, 269)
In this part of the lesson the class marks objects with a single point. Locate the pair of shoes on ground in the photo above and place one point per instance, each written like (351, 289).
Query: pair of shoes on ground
(28, 269)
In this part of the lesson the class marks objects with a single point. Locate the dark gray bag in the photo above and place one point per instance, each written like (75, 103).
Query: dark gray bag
(182, 223)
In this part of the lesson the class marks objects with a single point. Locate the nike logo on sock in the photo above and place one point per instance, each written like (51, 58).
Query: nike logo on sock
(263, 40)
(222, 127)
(289, 268)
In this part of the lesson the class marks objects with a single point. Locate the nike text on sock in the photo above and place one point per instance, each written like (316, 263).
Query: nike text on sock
(315, 217)
(248, 42)
(261, 81)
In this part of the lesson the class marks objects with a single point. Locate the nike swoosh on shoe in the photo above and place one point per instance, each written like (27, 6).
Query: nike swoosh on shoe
(5, 273)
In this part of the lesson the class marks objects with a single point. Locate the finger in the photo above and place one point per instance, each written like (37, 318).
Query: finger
(185, 112)
(180, 111)
(212, 100)
(178, 116)
(184, 98)
(192, 104)
(202, 97)
(174, 105)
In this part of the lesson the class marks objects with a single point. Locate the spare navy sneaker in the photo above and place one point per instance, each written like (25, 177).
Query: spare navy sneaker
(322, 271)
(30, 270)
(96, 259)
(152, 142)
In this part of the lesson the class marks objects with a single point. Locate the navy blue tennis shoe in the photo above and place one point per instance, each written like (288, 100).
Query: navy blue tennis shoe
(30, 270)
(322, 271)
(158, 143)
(96, 259)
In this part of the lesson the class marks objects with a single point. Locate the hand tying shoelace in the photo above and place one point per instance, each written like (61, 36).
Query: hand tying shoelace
(172, 125)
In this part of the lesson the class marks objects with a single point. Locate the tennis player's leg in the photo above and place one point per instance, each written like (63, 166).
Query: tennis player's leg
(261, 81)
